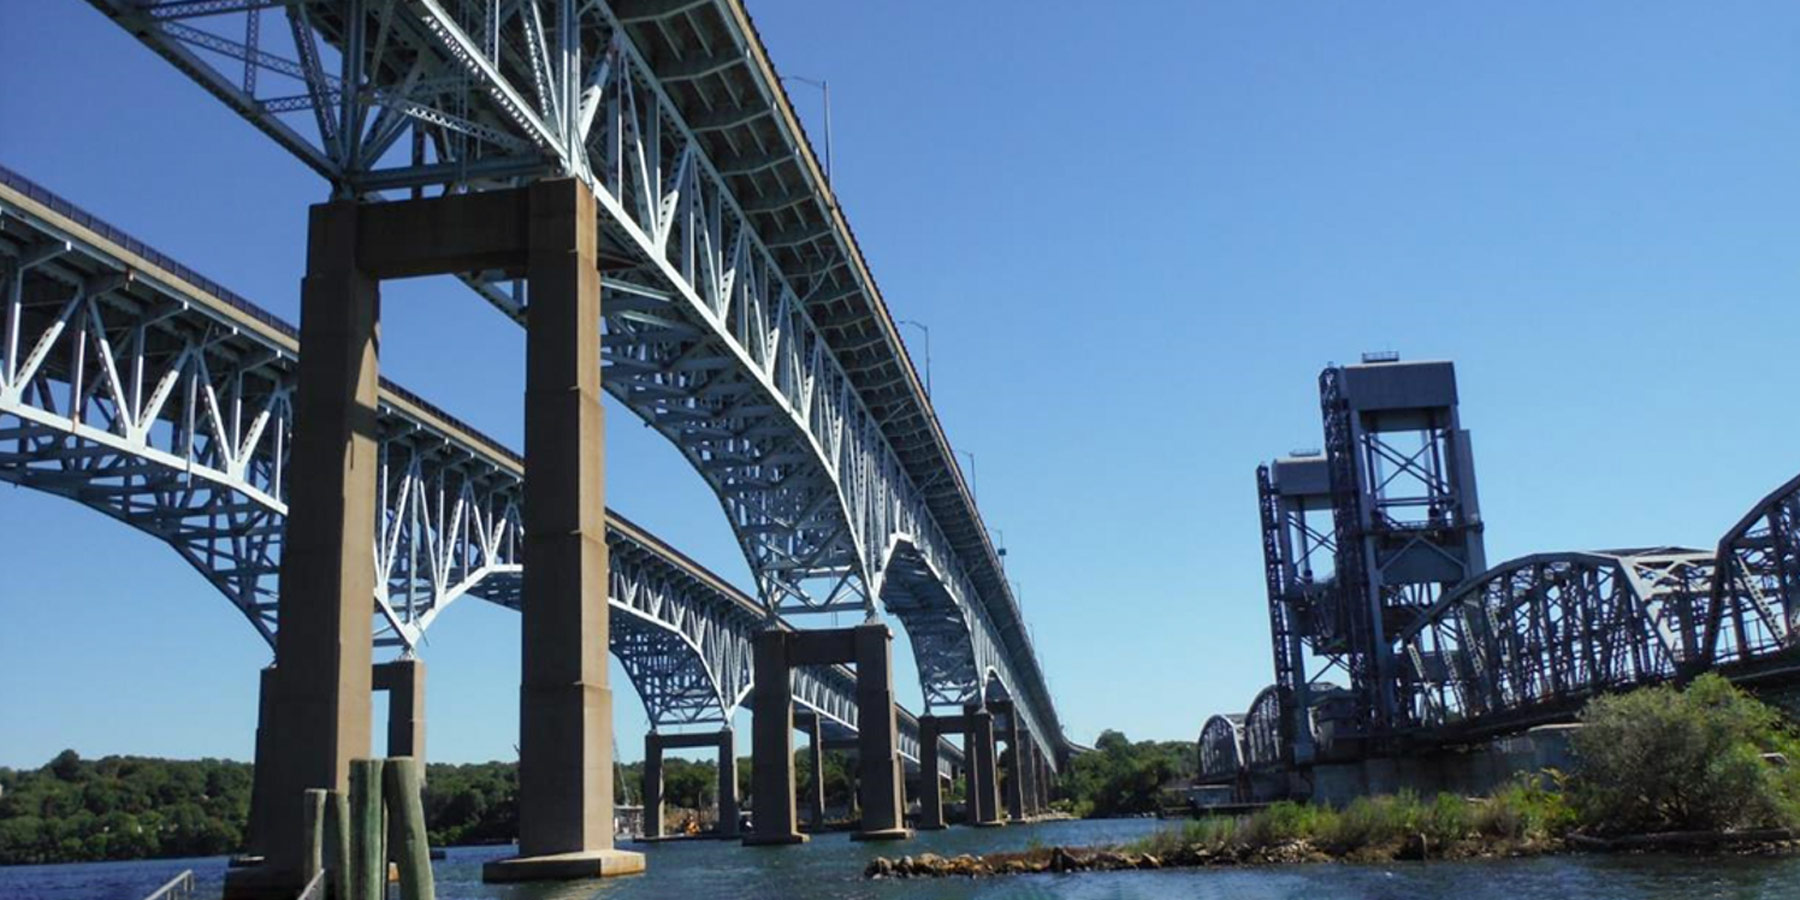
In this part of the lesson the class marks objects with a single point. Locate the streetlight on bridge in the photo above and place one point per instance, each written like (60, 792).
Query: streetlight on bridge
(927, 332)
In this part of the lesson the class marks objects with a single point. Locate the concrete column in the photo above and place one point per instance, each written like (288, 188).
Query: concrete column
(815, 791)
(1025, 758)
(772, 743)
(984, 795)
(931, 797)
(256, 829)
(653, 786)
(565, 706)
(1015, 782)
(879, 765)
(728, 783)
(320, 714)
(404, 682)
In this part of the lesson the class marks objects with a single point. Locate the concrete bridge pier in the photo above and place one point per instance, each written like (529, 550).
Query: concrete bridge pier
(317, 709)
(978, 751)
(815, 755)
(931, 796)
(404, 682)
(1026, 759)
(1014, 783)
(565, 704)
(654, 745)
(869, 647)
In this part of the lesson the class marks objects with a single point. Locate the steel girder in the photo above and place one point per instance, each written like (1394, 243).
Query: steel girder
(741, 322)
(1536, 636)
(140, 389)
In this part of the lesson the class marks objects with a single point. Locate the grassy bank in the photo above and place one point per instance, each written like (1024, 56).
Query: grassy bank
(1525, 817)
(1660, 768)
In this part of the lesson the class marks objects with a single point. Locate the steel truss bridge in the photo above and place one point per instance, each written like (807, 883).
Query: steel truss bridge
(1520, 644)
(741, 320)
(140, 389)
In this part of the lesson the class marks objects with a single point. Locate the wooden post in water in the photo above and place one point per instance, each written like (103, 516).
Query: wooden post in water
(401, 782)
(312, 833)
(368, 862)
(337, 844)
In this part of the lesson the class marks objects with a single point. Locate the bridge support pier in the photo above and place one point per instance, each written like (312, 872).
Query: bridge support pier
(1014, 783)
(931, 796)
(978, 752)
(1026, 761)
(654, 745)
(404, 682)
(869, 647)
(318, 710)
(815, 756)
(772, 742)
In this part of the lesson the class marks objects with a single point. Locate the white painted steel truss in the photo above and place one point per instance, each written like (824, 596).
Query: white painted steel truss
(710, 330)
(140, 389)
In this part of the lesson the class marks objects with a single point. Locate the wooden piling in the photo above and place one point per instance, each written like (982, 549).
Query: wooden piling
(312, 833)
(402, 783)
(368, 863)
(337, 844)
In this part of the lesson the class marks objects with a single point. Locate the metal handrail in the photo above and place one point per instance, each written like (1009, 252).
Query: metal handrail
(315, 889)
(181, 887)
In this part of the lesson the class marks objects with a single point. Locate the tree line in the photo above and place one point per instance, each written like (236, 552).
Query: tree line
(129, 807)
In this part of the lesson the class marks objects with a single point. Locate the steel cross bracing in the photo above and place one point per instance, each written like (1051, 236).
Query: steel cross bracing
(142, 390)
(741, 322)
(1752, 617)
(1536, 636)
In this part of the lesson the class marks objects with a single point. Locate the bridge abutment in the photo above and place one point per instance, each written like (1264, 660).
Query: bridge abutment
(1013, 785)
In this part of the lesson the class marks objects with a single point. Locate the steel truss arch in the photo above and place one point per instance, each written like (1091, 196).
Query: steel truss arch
(1222, 757)
(740, 319)
(1752, 617)
(1535, 636)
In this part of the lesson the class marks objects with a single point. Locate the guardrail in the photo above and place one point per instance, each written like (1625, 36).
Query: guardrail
(181, 887)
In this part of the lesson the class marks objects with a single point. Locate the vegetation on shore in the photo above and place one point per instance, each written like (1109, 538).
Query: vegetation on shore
(1123, 778)
(126, 807)
(1704, 765)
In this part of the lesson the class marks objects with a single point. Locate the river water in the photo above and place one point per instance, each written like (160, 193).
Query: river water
(831, 866)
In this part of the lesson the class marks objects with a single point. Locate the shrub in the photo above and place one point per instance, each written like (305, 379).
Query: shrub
(1661, 759)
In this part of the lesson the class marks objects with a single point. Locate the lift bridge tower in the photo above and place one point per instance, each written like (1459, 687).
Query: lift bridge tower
(1406, 524)
(1299, 549)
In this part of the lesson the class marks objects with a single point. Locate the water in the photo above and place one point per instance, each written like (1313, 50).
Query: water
(831, 866)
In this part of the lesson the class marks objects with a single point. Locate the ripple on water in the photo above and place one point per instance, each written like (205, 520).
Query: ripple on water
(831, 866)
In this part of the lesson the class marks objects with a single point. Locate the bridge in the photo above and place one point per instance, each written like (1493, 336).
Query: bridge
(630, 184)
(1377, 577)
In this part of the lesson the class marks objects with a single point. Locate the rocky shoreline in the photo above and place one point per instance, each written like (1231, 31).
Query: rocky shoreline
(1416, 848)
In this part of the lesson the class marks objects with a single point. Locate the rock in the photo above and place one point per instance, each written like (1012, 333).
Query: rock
(879, 867)
(1416, 847)
(1149, 861)
(1061, 860)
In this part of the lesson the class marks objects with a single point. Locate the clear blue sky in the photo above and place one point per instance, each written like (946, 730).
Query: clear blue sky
(1136, 238)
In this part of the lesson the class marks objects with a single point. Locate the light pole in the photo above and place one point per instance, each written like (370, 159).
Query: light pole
(974, 479)
(927, 332)
(824, 87)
